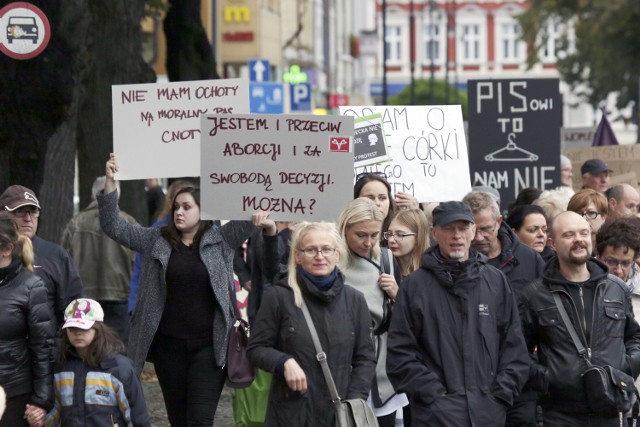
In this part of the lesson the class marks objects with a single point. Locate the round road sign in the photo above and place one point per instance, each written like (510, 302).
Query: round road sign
(24, 30)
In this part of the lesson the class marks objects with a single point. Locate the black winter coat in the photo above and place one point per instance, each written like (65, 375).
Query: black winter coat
(455, 345)
(26, 337)
(517, 261)
(342, 320)
(614, 333)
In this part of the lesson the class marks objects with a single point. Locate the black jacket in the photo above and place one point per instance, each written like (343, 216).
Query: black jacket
(342, 320)
(26, 337)
(614, 334)
(455, 344)
(517, 261)
(60, 276)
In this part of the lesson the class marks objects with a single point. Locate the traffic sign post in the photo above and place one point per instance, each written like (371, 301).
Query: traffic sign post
(259, 70)
(266, 98)
(300, 97)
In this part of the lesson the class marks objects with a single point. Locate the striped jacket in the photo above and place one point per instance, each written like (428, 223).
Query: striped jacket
(109, 396)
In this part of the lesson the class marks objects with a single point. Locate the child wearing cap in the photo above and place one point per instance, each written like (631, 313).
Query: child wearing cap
(93, 380)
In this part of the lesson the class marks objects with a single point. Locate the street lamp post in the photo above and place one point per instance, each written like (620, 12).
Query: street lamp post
(412, 52)
(432, 6)
(384, 52)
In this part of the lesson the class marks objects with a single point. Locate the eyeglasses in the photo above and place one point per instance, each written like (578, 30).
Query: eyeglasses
(398, 236)
(22, 212)
(486, 231)
(312, 252)
(590, 214)
(613, 263)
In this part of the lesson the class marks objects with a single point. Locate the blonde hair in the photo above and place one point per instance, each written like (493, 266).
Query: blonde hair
(10, 235)
(300, 232)
(357, 211)
(416, 221)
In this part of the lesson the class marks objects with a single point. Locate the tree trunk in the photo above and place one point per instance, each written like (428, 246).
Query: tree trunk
(113, 57)
(189, 53)
(36, 124)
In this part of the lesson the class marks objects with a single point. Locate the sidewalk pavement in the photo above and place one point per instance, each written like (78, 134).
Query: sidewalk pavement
(155, 403)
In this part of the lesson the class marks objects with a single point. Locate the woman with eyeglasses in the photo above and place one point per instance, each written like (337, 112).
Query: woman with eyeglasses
(374, 186)
(371, 270)
(281, 342)
(593, 206)
(408, 239)
(530, 225)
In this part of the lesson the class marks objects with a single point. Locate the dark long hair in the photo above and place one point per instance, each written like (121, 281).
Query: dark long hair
(171, 233)
(105, 342)
(364, 179)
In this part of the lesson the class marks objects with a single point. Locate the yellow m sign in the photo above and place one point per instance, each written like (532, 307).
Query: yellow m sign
(237, 14)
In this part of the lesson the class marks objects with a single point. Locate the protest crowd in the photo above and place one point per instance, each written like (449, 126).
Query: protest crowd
(374, 301)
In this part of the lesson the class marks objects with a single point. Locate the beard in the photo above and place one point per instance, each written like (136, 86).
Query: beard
(579, 259)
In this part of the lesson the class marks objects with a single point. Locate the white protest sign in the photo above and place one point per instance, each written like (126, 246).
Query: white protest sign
(160, 124)
(427, 147)
(298, 167)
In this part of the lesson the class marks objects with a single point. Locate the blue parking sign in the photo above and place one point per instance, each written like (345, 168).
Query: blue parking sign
(300, 97)
(266, 98)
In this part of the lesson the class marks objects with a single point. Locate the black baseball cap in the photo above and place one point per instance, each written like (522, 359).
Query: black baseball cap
(448, 212)
(594, 167)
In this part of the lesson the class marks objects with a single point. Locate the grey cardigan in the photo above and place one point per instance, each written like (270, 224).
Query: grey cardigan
(217, 247)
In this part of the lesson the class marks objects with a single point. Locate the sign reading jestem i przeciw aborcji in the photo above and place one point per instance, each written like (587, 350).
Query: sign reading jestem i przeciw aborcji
(298, 167)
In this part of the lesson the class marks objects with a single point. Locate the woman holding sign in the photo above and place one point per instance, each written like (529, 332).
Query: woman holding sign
(184, 310)
(371, 270)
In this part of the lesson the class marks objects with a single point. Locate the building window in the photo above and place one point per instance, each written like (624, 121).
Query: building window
(510, 34)
(470, 42)
(431, 35)
(393, 43)
(551, 41)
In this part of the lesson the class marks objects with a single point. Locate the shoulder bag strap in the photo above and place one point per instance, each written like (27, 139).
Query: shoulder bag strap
(386, 265)
(567, 323)
(321, 355)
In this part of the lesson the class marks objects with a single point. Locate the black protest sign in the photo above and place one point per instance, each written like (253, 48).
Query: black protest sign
(514, 134)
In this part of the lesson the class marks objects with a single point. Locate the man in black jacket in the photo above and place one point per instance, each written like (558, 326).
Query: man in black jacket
(598, 305)
(455, 345)
(521, 264)
(52, 263)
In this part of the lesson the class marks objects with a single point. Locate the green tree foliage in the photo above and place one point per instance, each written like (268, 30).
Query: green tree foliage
(440, 95)
(604, 57)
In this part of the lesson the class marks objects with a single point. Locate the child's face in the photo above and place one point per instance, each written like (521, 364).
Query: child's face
(81, 338)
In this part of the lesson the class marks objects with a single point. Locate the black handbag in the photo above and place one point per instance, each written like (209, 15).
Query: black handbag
(240, 372)
(351, 412)
(609, 391)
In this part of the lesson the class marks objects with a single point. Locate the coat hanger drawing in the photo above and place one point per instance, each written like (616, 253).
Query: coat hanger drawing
(511, 153)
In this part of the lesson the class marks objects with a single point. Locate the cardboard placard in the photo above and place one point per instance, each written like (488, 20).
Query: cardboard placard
(514, 134)
(160, 122)
(298, 167)
(427, 148)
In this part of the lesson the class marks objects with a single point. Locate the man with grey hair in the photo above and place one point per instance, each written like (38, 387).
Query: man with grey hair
(518, 262)
(624, 201)
(104, 265)
(52, 263)
(455, 345)
(566, 171)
